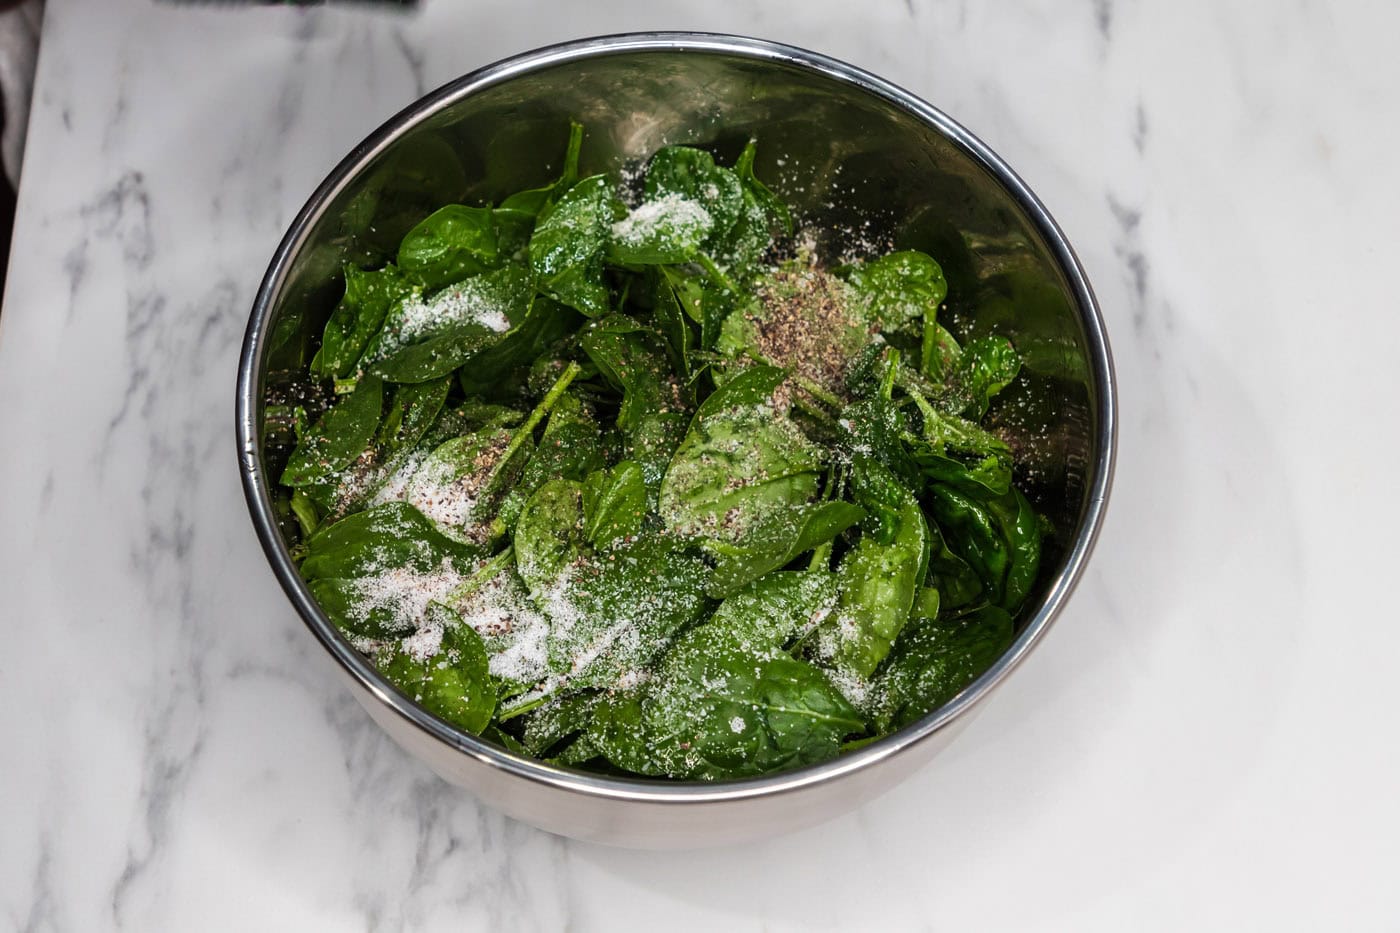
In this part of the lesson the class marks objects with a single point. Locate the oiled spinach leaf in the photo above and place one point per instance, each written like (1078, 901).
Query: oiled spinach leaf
(340, 436)
(548, 534)
(571, 447)
(413, 408)
(934, 660)
(498, 369)
(455, 683)
(383, 537)
(740, 462)
(998, 538)
(985, 367)
(880, 580)
(364, 569)
(776, 540)
(588, 469)
(614, 503)
(448, 245)
(427, 339)
(900, 288)
(652, 415)
(721, 710)
(358, 317)
(568, 245)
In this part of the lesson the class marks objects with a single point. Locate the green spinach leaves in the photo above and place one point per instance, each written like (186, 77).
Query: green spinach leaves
(627, 479)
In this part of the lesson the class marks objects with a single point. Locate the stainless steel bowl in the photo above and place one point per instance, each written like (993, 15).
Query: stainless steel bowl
(851, 152)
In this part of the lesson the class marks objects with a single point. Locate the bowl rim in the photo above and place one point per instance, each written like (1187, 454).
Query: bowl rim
(257, 489)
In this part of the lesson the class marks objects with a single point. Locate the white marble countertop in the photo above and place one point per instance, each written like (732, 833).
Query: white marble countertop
(1206, 740)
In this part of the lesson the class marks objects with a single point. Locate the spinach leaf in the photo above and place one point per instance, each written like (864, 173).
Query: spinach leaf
(611, 612)
(557, 721)
(999, 538)
(356, 319)
(944, 432)
(985, 367)
(547, 535)
(900, 288)
(649, 582)
(497, 369)
(413, 409)
(972, 534)
(571, 448)
(1021, 528)
(702, 299)
(775, 541)
(364, 569)
(684, 174)
(738, 463)
(494, 733)
(756, 193)
(568, 245)
(458, 484)
(775, 609)
(957, 584)
(662, 230)
(672, 322)
(516, 216)
(719, 711)
(614, 503)
(448, 245)
(423, 340)
(341, 435)
(933, 661)
(455, 683)
(305, 511)
(879, 582)
(470, 417)
(939, 350)
(753, 387)
(384, 537)
(990, 475)
(652, 415)
(876, 428)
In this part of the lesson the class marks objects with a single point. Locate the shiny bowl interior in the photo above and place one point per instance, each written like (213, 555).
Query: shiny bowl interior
(859, 159)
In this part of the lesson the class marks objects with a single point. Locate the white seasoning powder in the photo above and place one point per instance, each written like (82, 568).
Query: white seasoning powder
(394, 487)
(852, 686)
(425, 643)
(501, 613)
(449, 503)
(405, 593)
(672, 217)
(464, 303)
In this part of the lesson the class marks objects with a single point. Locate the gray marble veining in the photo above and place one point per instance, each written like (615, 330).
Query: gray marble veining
(1202, 742)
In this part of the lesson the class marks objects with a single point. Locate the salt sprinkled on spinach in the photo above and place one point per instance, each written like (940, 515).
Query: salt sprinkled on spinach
(623, 474)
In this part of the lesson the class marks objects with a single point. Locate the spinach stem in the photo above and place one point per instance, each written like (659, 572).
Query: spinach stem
(817, 392)
(551, 398)
(481, 575)
(927, 343)
(816, 411)
(888, 377)
(510, 712)
(714, 272)
(821, 554)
